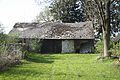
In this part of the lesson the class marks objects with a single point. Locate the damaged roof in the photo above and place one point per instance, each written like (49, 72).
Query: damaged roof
(48, 30)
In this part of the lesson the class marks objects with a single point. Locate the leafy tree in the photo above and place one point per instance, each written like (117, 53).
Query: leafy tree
(100, 12)
(44, 16)
(115, 17)
(67, 11)
(61, 10)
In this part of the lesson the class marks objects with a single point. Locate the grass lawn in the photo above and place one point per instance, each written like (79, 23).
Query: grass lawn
(63, 67)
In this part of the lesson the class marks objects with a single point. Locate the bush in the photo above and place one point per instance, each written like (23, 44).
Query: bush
(35, 45)
(114, 48)
(9, 50)
(7, 43)
(99, 46)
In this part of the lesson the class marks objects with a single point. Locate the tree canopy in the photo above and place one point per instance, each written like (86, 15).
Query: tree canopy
(44, 16)
(67, 11)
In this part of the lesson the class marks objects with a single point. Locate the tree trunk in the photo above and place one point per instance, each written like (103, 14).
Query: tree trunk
(106, 31)
(106, 39)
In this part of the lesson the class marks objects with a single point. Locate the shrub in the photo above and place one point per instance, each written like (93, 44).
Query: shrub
(99, 46)
(9, 50)
(114, 48)
(35, 45)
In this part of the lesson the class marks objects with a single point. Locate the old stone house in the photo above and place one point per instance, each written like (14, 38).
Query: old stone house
(59, 37)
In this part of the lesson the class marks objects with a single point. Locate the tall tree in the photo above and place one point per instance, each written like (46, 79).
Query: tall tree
(44, 16)
(67, 11)
(100, 11)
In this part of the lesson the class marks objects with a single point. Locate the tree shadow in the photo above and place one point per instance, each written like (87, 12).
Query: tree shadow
(31, 72)
(41, 58)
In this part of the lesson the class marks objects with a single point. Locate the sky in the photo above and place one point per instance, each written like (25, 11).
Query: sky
(13, 11)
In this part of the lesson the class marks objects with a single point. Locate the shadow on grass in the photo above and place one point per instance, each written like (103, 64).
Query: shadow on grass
(36, 58)
(30, 72)
(41, 58)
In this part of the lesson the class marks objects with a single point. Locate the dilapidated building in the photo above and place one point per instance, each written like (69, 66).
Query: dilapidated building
(59, 37)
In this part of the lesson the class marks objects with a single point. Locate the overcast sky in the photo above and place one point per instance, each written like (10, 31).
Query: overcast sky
(12, 11)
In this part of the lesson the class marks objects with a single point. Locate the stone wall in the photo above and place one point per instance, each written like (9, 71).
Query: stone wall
(68, 46)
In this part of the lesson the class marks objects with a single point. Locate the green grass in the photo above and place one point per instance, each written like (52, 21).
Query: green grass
(63, 67)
